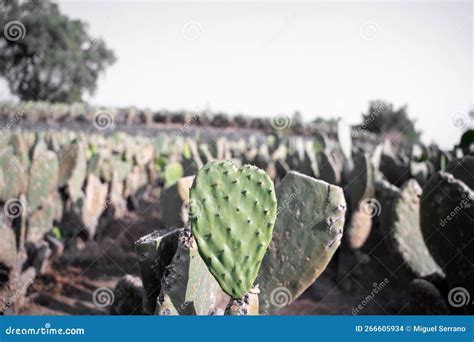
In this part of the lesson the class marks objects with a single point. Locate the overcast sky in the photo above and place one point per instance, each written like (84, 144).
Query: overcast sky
(263, 58)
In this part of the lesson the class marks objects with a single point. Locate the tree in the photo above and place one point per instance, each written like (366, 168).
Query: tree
(44, 55)
(382, 118)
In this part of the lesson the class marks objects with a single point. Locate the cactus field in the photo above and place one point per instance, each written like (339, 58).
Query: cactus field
(133, 212)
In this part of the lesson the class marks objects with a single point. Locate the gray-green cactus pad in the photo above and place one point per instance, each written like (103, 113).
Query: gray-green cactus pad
(232, 216)
(43, 178)
(406, 236)
(174, 203)
(188, 288)
(307, 232)
(446, 223)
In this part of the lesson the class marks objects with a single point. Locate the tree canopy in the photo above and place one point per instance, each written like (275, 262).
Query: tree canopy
(382, 118)
(44, 55)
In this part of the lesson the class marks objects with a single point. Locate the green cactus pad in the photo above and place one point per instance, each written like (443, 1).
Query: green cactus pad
(232, 213)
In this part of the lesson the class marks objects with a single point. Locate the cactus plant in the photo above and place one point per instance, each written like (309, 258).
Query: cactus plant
(72, 168)
(155, 251)
(232, 218)
(174, 203)
(20, 149)
(247, 306)
(385, 195)
(307, 232)
(463, 170)
(405, 237)
(172, 173)
(43, 178)
(361, 182)
(188, 288)
(328, 168)
(15, 177)
(8, 250)
(446, 222)
(423, 298)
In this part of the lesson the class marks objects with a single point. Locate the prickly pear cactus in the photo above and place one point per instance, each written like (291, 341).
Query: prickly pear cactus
(72, 168)
(361, 181)
(174, 203)
(188, 288)
(307, 232)
(344, 137)
(446, 222)
(43, 178)
(247, 306)
(385, 195)
(329, 171)
(232, 216)
(155, 251)
(40, 221)
(15, 177)
(20, 149)
(8, 251)
(463, 170)
(406, 237)
(423, 298)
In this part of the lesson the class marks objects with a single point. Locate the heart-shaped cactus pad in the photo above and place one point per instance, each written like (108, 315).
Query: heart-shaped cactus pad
(232, 213)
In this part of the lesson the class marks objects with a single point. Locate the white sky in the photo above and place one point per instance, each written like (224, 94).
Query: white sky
(264, 58)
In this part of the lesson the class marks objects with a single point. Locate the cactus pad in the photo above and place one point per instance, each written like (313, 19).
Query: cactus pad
(406, 237)
(232, 213)
(446, 213)
(307, 233)
(188, 288)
